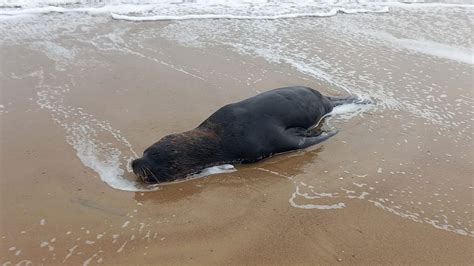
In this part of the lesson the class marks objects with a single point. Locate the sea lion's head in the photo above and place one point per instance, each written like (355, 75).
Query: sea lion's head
(178, 155)
(162, 161)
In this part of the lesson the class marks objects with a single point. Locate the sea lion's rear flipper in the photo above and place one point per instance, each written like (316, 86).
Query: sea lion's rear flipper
(347, 99)
(303, 132)
(309, 141)
(301, 138)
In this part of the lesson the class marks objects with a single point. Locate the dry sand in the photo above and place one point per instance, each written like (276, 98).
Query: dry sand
(394, 172)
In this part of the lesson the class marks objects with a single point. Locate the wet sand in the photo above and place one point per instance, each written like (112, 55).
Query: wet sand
(404, 181)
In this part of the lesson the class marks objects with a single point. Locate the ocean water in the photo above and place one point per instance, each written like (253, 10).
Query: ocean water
(206, 9)
(267, 30)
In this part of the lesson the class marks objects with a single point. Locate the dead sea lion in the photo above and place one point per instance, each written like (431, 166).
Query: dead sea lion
(272, 122)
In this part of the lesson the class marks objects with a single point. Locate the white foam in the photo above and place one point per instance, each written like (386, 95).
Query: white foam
(169, 10)
(339, 205)
(451, 52)
(447, 51)
(361, 196)
(330, 13)
(109, 169)
(34, 3)
(89, 10)
(348, 111)
(422, 4)
(447, 227)
(297, 193)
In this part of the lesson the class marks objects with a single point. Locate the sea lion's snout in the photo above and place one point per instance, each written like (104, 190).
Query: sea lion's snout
(143, 170)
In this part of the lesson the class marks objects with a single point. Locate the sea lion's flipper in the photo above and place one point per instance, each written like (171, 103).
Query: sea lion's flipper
(309, 141)
(347, 99)
(299, 139)
(303, 132)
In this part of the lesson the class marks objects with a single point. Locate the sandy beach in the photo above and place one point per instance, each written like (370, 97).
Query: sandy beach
(81, 94)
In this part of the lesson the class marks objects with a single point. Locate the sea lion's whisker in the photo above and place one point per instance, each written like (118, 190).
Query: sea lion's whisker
(146, 171)
(142, 174)
(146, 174)
(152, 175)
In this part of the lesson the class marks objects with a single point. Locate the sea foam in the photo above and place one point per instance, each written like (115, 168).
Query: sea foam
(436, 49)
(329, 13)
(170, 10)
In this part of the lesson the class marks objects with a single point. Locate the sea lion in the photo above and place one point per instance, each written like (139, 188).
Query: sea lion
(272, 122)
